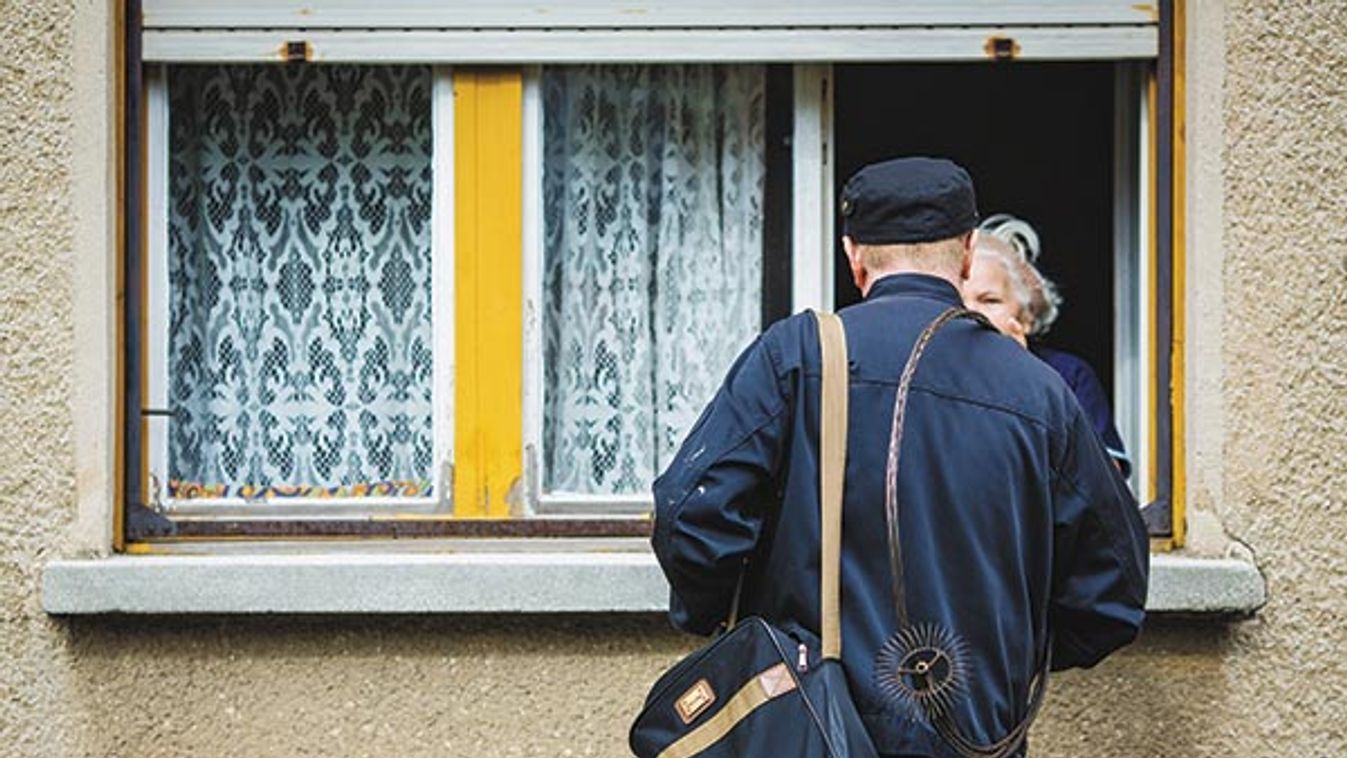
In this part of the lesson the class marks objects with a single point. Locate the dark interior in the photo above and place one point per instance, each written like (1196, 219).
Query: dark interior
(1038, 141)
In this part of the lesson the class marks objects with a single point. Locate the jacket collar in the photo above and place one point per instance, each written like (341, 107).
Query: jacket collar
(916, 285)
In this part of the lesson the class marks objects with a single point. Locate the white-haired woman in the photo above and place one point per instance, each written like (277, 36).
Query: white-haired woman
(1006, 287)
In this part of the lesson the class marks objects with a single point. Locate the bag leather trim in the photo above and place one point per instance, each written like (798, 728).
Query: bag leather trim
(768, 685)
(698, 698)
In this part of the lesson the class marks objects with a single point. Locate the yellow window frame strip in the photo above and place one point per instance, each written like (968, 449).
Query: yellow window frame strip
(1178, 300)
(488, 297)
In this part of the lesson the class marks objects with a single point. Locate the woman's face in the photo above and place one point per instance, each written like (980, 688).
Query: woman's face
(988, 292)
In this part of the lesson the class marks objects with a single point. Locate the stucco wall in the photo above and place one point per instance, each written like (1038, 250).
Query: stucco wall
(36, 455)
(1285, 355)
(1268, 339)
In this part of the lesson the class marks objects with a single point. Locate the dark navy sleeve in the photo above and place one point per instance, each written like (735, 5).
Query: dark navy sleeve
(1100, 553)
(710, 502)
(1090, 394)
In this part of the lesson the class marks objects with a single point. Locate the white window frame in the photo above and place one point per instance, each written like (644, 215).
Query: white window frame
(1133, 340)
(812, 234)
(442, 330)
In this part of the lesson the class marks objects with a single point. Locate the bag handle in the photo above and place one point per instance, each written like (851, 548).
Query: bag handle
(832, 469)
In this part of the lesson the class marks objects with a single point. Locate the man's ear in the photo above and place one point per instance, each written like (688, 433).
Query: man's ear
(966, 265)
(858, 273)
(849, 247)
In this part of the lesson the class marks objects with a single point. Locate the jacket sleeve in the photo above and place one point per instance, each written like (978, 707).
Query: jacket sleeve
(1094, 402)
(1101, 554)
(710, 502)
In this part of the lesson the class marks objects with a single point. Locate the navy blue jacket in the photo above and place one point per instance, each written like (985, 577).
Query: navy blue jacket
(1013, 518)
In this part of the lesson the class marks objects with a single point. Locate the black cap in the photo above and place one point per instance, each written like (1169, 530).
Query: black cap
(908, 200)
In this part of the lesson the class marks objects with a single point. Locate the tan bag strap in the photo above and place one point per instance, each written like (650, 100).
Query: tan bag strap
(832, 469)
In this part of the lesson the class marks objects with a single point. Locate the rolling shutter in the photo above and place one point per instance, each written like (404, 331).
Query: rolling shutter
(542, 31)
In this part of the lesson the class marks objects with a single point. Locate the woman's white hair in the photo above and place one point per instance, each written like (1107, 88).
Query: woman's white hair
(1018, 249)
(1014, 230)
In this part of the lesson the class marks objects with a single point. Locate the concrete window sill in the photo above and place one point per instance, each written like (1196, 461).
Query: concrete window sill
(544, 578)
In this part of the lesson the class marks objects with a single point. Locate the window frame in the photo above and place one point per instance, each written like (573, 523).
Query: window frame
(1161, 215)
(1132, 268)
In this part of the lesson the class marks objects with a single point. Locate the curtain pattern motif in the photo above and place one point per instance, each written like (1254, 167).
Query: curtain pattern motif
(652, 204)
(299, 264)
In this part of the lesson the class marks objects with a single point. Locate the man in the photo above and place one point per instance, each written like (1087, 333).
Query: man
(1016, 529)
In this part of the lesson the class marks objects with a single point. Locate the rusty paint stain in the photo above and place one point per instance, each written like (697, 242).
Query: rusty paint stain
(1001, 48)
(1149, 9)
(296, 51)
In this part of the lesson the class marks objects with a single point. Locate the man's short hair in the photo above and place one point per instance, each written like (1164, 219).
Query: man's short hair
(934, 255)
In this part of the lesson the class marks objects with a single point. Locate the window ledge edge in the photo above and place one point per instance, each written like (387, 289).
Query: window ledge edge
(356, 583)
(1219, 587)
(555, 581)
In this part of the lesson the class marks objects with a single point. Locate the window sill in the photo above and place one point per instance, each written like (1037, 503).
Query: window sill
(507, 577)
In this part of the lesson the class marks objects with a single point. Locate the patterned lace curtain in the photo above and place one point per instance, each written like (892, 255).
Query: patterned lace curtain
(299, 264)
(652, 202)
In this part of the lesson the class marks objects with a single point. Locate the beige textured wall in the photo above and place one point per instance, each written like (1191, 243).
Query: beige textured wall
(1268, 339)
(1285, 351)
(36, 458)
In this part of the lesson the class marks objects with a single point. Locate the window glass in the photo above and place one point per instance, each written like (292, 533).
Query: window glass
(652, 275)
(299, 266)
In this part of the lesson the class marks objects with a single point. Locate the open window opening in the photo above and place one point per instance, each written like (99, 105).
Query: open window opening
(1055, 144)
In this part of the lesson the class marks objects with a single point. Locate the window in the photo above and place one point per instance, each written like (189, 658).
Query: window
(367, 305)
(293, 267)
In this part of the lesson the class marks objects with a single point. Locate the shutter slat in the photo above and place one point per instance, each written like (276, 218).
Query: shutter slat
(632, 14)
(724, 45)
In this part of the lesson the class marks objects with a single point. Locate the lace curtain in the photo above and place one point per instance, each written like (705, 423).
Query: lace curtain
(299, 263)
(652, 202)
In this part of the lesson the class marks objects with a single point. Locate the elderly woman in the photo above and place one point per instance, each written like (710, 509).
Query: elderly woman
(1006, 287)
